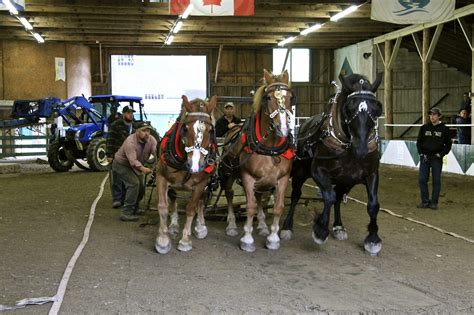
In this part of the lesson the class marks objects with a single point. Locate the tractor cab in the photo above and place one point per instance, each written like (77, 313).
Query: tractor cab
(110, 106)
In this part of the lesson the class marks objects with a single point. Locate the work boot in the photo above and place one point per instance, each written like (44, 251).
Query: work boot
(433, 206)
(128, 217)
(116, 204)
(139, 212)
(423, 205)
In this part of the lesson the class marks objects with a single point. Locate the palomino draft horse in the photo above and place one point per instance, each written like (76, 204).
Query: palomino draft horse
(261, 156)
(342, 150)
(187, 160)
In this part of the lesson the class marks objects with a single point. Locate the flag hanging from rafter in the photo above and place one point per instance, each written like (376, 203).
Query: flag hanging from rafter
(412, 11)
(214, 7)
(18, 4)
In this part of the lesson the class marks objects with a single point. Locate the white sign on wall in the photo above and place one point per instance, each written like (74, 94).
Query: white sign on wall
(60, 68)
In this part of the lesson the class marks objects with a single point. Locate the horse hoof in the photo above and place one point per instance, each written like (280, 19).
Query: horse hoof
(263, 231)
(163, 249)
(200, 232)
(339, 233)
(318, 240)
(173, 230)
(286, 235)
(231, 232)
(272, 245)
(246, 247)
(373, 248)
(184, 247)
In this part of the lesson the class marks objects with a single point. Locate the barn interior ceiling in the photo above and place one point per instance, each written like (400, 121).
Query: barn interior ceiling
(132, 23)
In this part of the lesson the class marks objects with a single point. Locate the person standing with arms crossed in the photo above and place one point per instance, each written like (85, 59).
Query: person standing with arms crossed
(433, 143)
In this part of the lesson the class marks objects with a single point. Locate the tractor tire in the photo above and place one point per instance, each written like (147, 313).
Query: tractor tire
(96, 155)
(57, 157)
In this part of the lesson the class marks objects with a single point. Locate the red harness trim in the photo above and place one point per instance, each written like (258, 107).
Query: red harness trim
(209, 169)
(288, 154)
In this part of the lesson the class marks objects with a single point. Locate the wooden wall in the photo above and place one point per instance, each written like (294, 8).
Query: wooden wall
(28, 70)
(407, 86)
(240, 72)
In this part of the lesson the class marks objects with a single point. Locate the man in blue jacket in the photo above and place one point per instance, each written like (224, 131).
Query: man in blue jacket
(434, 142)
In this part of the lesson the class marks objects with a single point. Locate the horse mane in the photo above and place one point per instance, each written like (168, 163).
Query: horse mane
(257, 98)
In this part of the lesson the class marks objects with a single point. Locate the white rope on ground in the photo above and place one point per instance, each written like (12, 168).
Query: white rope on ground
(58, 298)
(410, 219)
(70, 266)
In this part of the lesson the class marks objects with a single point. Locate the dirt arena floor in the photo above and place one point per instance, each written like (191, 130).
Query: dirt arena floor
(420, 270)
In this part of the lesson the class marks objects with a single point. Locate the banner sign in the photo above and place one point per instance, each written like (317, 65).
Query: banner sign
(412, 11)
(214, 7)
(19, 5)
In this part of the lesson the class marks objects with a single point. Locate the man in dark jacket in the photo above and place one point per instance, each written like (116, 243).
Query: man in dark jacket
(228, 121)
(463, 133)
(119, 130)
(433, 143)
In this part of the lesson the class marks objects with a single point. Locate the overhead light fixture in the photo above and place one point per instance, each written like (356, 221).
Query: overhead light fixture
(286, 41)
(169, 40)
(188, 11)
(177, 27)
(10, 7)
(342, 14)
(311, 29)
(38, 37)
(25, 23)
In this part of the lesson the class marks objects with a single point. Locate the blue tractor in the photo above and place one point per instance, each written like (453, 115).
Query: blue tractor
(84, 137)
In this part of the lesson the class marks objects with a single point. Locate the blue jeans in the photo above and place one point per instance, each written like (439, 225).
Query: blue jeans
(134, 187)
(435, 164)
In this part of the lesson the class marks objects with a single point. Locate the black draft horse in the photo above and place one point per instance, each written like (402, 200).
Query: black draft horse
(341, 151)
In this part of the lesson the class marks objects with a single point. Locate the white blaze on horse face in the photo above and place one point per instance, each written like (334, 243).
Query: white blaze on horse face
(280, 95)
(363, 107)
(199, 128)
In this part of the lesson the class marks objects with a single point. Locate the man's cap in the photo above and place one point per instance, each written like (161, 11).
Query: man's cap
(229, 104)
(127, 109)
(435, 110)
(142, 125)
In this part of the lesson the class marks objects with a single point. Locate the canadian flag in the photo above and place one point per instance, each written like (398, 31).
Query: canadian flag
(214, 7)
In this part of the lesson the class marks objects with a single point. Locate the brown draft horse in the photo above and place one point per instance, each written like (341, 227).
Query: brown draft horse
(187, 159)
(261, 156)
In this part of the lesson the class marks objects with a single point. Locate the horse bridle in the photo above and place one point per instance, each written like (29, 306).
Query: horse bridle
(280, 91)
(199, 127)
(363, 107)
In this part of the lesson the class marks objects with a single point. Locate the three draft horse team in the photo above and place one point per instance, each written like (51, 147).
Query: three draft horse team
(338, 149)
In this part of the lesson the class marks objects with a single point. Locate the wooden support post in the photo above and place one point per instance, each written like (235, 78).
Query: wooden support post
(425, 99)
(218, 62)
(472, 81)
(388, 90)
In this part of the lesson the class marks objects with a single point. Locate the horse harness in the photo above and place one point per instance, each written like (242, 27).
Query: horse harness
(251, 137)
(333, 135)
(171, 153)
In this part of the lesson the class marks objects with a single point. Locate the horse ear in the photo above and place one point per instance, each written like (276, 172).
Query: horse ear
(186, 104)
(212, 104)
(285, 77)
(345, 84)
(377, 82)
(267, 77)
